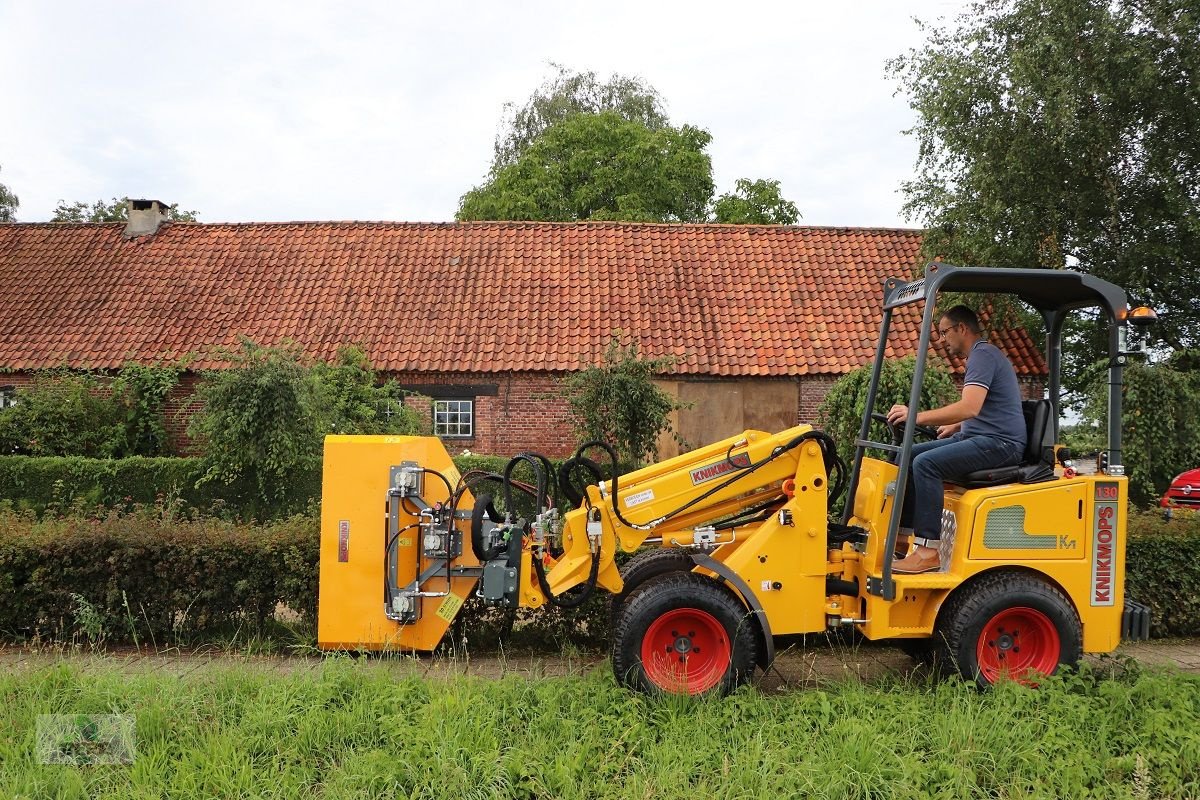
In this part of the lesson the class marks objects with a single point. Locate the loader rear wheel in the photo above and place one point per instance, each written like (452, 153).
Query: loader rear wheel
(1009, 626)
(683, 633)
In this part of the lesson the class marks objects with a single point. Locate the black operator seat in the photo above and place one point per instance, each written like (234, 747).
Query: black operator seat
(1036, 465)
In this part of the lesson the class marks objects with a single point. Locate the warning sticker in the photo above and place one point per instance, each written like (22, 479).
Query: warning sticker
(450, 607)
(639, 498)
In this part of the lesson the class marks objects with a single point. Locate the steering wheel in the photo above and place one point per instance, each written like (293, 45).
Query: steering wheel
(898, 430)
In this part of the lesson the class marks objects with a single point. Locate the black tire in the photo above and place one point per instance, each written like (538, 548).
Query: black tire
(982, 628)
(646, 565)
(708, 638)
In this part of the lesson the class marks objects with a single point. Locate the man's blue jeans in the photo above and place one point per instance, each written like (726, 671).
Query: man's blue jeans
(943, 459)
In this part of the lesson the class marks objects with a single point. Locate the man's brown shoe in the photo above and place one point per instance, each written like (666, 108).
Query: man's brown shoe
(923, 559)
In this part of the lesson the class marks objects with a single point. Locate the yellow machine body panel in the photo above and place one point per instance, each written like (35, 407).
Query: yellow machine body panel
(354, 531)
(1070, 530)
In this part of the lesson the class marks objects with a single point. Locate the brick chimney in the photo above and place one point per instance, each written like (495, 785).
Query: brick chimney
(145, 216)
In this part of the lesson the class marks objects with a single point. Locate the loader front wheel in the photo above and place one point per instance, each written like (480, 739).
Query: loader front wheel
(683, 633)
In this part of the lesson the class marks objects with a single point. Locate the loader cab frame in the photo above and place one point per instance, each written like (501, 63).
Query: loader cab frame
(1053, 294)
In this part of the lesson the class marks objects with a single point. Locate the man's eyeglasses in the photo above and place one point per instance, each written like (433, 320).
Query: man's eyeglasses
(940, 333)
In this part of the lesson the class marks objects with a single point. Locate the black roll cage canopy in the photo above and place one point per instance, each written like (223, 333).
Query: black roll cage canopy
(1054, 294)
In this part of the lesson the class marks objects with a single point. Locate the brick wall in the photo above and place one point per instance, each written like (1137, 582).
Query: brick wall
(514, 411)
(813, 389)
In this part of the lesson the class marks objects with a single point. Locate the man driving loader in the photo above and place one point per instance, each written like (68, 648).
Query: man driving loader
(984, 429)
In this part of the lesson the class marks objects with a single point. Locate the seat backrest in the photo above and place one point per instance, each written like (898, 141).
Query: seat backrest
(1039, 431)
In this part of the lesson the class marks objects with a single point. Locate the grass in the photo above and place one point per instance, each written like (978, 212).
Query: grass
(357, 728)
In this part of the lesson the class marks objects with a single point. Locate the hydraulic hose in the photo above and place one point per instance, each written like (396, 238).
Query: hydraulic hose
(537, 470)
(565, 475)
(561, 601)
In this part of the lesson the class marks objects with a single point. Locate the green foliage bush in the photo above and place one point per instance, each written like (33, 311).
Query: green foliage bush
(840, 413)
(149, 576)
(1163, 570)
(67, 412)
(262, 421)
(617, 402)
(1160, 434)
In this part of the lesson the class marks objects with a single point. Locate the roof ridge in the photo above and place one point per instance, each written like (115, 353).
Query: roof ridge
(509, 224)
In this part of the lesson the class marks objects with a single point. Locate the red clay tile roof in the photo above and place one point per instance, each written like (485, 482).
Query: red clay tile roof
(472, 297)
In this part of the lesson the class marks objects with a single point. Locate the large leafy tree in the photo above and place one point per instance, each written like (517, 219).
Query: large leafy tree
(1066, 133)
(567, 94)
(755, 203)
(100, 211)
(601, 167)
(585, 149)
(8, 204)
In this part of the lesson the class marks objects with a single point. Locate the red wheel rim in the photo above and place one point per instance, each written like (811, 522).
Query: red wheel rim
(686, 651)
(1017, 644)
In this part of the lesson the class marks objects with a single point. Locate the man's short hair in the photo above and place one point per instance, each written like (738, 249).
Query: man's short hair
(961, 315)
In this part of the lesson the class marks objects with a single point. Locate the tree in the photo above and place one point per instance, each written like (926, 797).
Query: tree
(567, 94)
(100, 211)
(257, 423)
(601, 167)
(1160, 437)
(1065, 133)
(262, 421)
(582, 149)
(617, 402)
(755, 203)
(8, 204)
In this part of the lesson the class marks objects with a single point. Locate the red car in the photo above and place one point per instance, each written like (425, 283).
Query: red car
(1184, 491)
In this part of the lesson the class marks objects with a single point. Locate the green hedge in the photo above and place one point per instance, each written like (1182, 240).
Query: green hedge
(174, 581)
(1163, 570)
(59, 484)
(182, 580)
(151, 578)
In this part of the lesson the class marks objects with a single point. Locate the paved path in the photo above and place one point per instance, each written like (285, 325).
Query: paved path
(796, 665)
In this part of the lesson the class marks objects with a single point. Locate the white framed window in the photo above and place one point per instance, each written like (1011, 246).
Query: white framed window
(454, 418)
(8, 397)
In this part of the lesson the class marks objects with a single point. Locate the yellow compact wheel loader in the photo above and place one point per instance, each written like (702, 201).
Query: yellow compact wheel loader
(733, 541)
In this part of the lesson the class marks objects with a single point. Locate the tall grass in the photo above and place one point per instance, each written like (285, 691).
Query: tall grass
(359, 729)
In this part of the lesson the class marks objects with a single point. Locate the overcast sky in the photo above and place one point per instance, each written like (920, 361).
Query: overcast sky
(264, 111)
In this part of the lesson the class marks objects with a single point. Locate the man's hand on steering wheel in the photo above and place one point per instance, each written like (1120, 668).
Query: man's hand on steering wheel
(895, 419)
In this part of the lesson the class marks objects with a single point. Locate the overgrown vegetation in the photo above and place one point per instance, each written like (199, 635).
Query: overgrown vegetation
(261, 422)
(840, 413)
(617, 402)
(72, 412)
(259, 425)
(1160, 432)
(378, 729)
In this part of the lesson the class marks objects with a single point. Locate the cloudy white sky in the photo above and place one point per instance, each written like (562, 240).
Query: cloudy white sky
(264, 111)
